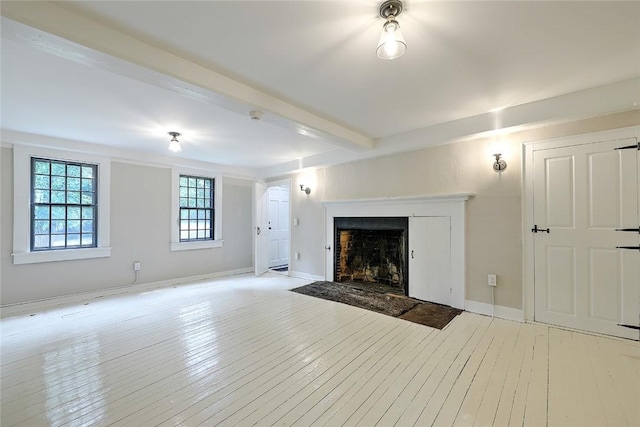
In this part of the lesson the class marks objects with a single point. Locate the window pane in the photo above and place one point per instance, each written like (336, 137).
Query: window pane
(201, 235)
(57, 241)
(73, 170)
(58, 169)
(87, 239)
(193, 234)
(42, 212)
(73, 212)
(73, 184)
(41, 196)
(192, 182)
(193, 225)
(183, 192)
(58, 226)
(73, 226)
(58, 212)
(42, 181)
(183, 181)
(184, 214)
(192, 203)
(193, 214)
(58, 182)
(87, 213)
(200, 193)
(41, 242)
(87, 185)
(184, 202)
(192, 192)
(57, 197)
(184, 225)
(87, 198)
(201, 214)
(207, 203)
(41, 227)
(87, 226)
(73, 240)
(207, 183)
(184, 235)
(73, 197)
(87, 172)
(42, 167)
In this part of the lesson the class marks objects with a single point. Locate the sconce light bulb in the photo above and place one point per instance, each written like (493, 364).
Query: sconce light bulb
(499, 165)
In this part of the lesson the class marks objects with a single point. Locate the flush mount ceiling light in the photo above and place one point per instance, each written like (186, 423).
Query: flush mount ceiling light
(174, 144)
(391, 44)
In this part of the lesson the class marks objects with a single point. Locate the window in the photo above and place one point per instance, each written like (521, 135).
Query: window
(197, 210)
(61, 205)
(64, 203)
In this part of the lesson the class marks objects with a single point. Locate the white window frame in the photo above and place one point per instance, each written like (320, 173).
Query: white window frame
(22, 253)
(176, 244)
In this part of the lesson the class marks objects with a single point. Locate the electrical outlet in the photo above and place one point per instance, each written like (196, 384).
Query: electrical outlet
(492, 280)
(136, 266)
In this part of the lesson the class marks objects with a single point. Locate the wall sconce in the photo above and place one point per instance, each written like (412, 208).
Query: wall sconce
(499, 165)
(306, 190)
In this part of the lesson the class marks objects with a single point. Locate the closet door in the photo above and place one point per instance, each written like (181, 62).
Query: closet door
(430, 259)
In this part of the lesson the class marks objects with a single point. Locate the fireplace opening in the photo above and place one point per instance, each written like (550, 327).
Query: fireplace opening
(372, 250)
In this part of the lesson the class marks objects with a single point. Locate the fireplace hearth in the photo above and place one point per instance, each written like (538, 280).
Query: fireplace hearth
(372, 250)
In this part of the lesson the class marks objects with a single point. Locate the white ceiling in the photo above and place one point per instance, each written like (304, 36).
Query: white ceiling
(464, 60)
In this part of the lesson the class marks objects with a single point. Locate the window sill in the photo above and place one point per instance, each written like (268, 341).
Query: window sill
(187, 246)
(60, 255)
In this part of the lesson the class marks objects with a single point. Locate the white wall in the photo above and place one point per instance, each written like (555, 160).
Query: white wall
(140, 231)
(494, 216)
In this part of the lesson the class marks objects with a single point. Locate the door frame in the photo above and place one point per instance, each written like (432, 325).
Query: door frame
(528, 148)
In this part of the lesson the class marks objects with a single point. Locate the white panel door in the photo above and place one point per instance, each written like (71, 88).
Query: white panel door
(430, 259)
(260, 217)
(582, 195)
(278, 211)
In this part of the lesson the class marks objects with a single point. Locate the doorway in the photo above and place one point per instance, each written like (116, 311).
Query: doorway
(582, 251)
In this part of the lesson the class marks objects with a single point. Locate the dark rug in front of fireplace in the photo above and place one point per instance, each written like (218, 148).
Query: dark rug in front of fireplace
(382, 299)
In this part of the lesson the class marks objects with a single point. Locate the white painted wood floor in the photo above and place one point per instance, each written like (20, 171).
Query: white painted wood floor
(244, 351)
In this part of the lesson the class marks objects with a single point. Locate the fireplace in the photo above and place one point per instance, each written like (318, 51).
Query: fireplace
(372, 250)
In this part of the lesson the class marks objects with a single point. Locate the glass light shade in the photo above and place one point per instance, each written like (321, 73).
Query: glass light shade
(391, 44)
(174, 146)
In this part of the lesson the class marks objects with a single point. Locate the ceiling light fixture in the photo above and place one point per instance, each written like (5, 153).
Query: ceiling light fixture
(174, 144)
(391, 44)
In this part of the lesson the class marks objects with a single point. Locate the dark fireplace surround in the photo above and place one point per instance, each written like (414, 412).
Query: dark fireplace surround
(372, 250)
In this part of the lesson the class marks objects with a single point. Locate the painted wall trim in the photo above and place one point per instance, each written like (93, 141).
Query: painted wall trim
(48, 303)
(401, 200)
(305, 276)
(499, 311)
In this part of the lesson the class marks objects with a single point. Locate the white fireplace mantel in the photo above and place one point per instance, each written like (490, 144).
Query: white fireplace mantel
(447, 205)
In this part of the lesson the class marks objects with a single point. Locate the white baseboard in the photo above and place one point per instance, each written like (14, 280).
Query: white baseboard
(499, 311)
(47, 303)
(301, 275)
